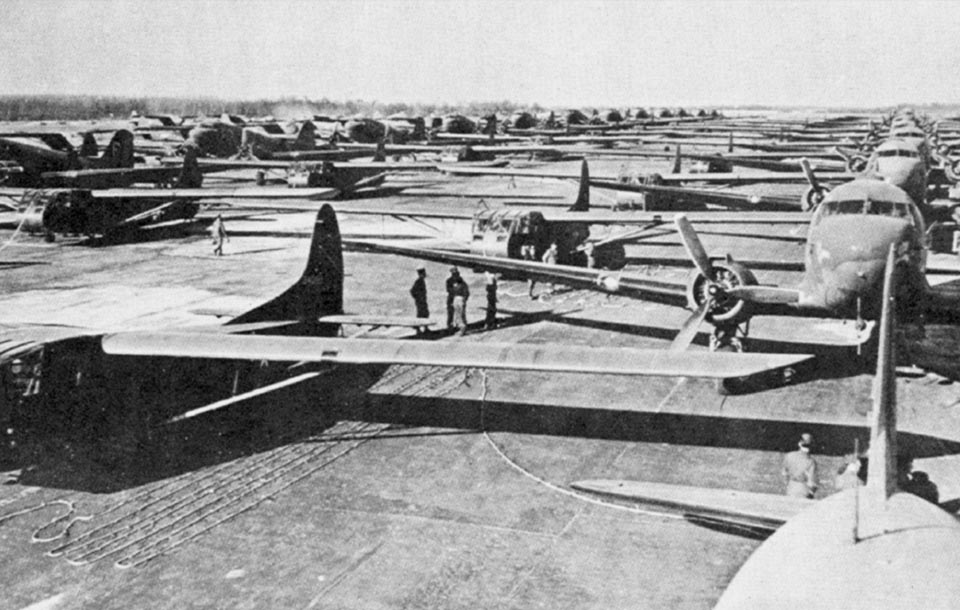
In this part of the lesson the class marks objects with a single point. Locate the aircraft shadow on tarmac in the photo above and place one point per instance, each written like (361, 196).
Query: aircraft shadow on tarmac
(112, 459)
(98, 450)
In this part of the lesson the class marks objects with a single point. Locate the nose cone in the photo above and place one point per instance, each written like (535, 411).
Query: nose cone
(905, 173)
(850, 253)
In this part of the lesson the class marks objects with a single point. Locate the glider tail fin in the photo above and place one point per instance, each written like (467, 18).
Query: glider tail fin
(190, 174)
(119, 153)
(582, 204)
(319, 291)
(89, 147)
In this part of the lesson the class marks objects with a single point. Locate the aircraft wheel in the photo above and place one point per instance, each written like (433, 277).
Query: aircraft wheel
(49, 237)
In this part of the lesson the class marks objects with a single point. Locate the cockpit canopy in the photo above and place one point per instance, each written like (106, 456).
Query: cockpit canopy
(869, 196)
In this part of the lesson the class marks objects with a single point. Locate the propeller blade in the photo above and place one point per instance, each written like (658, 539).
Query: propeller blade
(688, 331)
(810, 176)
(694, 248)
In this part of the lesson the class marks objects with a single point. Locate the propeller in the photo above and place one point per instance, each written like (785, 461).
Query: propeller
(814, 196)
(699, 255)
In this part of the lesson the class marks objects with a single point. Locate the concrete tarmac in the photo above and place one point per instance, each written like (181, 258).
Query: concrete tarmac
(403, 487)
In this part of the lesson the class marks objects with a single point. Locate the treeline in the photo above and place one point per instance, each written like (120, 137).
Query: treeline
(83, 107)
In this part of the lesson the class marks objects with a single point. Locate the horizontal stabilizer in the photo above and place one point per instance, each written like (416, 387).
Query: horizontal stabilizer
(741, 508)
(556, 358)
(360, 320)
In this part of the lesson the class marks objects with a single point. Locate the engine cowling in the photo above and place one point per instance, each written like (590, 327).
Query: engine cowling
(725, 309)
(812, 197)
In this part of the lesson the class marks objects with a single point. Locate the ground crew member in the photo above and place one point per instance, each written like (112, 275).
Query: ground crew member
(591, 258)
(461, 292)
(550, 258)
(490, 322)
(800, 469)
(451, 282)
(419, 293)
(921, 485)
(851, 474)
(528, 252)
(219, 234)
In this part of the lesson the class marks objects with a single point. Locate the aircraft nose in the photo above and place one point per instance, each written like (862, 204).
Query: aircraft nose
(852, 252)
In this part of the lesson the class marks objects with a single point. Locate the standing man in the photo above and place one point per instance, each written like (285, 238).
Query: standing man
(490, 322)
(451, 283)
(550, 258)
(528, 252)
(219, 234)
(800, 469)
(419, 293)
(461, 292)
(591, 257)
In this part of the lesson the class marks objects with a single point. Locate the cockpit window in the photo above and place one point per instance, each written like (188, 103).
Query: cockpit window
(899, 152)
(859, 206)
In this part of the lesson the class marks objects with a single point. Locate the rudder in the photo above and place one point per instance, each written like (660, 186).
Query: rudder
(319, 291)
(119, 153)
(582, 204)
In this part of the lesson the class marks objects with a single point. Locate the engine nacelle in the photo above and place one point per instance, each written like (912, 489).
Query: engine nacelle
(812, 197)
(725, 309)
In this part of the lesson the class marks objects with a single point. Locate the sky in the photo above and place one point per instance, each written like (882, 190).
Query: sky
(610, 53)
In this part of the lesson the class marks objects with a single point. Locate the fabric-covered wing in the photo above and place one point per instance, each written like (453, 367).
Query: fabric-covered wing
(575, 277)
(727, 506)
(557, 358)
(217, 193)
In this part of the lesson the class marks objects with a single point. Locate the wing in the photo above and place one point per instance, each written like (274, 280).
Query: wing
(576, 277)
(258, 192)
(724, 506)
(555, 358)
(719, 177)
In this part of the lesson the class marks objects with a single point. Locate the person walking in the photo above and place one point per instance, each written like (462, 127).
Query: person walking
(419, 293)
(219, 234)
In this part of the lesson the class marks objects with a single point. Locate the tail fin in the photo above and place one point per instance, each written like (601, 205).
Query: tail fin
(307, 136)
(381, 153)
(677, 161)
(582, 204)
(89, 147)
(319, 291)
(492, 126)
(190, 174)
(119, 153)
(882, 481)
(730, 143)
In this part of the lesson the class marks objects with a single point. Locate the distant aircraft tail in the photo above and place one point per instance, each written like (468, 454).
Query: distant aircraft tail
(319, 291)
(582, 204)
(381, 152)
(307, 136)
(119, 153)
(89, 147)
(677, 161)
(190, 174)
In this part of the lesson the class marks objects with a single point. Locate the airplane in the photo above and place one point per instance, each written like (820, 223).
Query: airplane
(86, 375)
(502, 232)
(258, 143)
(844, 257)
(54, 153)
(87, 211)
(871, 546)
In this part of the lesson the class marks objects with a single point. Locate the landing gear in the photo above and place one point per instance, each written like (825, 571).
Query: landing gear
(729, 338)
